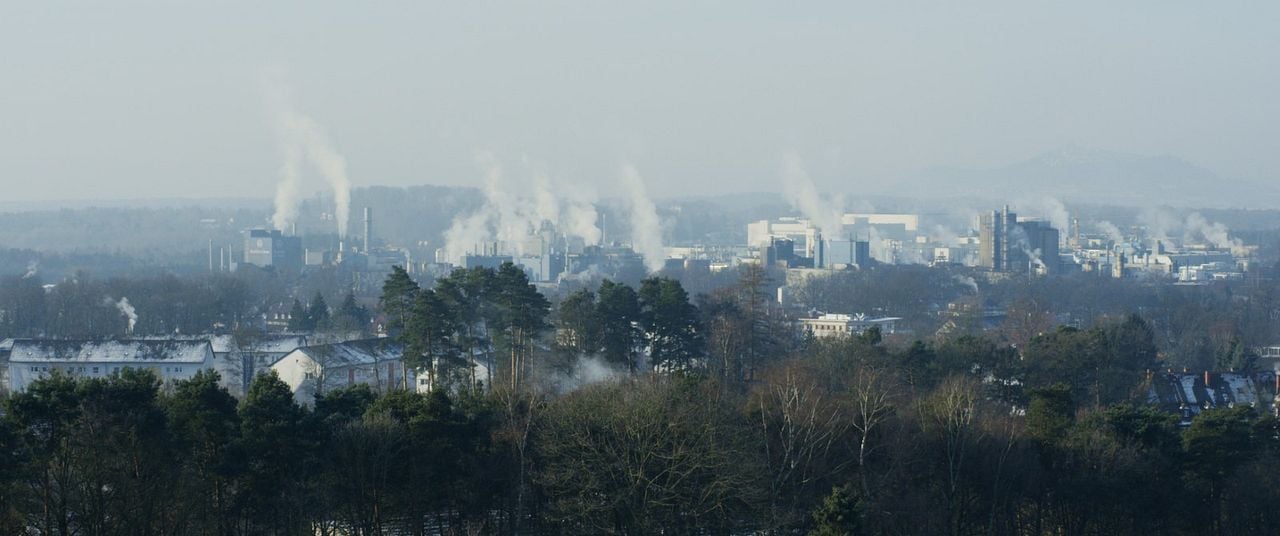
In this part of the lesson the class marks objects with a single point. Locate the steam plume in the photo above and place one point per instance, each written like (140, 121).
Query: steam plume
(511, 212)
(1113, 233)
(804, 196)
(33, 268)
(125, 309)
(646, 228)
(301, 137)
(1051, 210)
(967, 281)
(1212, 232)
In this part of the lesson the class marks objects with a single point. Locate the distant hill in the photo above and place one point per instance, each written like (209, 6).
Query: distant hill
(1099, 176)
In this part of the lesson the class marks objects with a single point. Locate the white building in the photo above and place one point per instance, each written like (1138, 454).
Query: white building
(170, 360)
(239, 361)
(314, 370)
(842, 325)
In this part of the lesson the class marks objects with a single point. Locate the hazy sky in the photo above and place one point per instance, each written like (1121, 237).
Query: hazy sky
(129, 99)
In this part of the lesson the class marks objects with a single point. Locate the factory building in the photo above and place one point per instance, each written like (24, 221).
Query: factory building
(845, 253)
(1007, 244)
(271, 248)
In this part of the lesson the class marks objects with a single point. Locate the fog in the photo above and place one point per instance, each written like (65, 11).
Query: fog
(137, 99)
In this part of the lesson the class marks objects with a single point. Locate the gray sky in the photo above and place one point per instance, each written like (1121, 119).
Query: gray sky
(128, 99)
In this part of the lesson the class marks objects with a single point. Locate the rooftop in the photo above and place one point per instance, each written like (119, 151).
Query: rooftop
(361, 352)
(109, 351)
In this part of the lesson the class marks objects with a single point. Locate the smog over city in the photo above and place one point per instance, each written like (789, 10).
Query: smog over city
(572, 267)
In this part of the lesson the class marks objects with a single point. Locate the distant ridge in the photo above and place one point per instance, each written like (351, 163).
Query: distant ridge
(1100, 176)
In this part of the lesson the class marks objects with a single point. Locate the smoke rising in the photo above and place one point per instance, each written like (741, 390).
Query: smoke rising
(967, 281)
(515, 209)
(126, 309)
(1214, 233)
(33, 269)
(804, 196)
(303, 138)
(1051, 210)
(1113, 233)
(586, 371)
(646, 228)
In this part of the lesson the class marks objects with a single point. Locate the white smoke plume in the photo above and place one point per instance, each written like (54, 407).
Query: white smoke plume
(1215, 233)
(968, 282)
(1018, 238)
(646, 228)
(301, 137)
(512, 212)
(33, 268)
(586, 371)
(126, 309)
(1161, 223)
(805, 197)
(1049, 209)
(1113, 233)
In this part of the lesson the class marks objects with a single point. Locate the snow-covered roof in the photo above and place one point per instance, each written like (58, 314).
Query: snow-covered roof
(1190, 393)
(112, 351)
(361, 352)
(6, 345)
(270, 344)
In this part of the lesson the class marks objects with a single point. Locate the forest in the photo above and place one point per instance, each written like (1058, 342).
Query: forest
(624, 409)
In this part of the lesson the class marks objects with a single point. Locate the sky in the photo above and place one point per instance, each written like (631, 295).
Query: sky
(162, 99)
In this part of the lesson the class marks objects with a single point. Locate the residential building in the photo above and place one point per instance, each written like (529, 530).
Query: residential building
(170, 360)
(313, 370)
(845, 325)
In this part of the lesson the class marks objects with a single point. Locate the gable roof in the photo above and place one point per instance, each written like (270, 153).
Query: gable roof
(359, 352)
(110, 351)
(268, 344)
(1190, 393)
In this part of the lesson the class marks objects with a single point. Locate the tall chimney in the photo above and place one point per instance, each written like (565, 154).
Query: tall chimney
(368, 229)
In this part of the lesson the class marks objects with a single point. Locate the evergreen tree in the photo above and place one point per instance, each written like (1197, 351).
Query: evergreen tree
(318, 313)
(618, 310)
(398, 293)
(672, 328)
(298, 319)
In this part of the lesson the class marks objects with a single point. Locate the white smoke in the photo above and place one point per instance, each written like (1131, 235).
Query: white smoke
(1049, 209)
(302, 137)
(126, 309)
(646, 228)
(967, 281)
(33, 268)
(586, 371)
(1113, 233)
(1018, 238)
(1161, 223)
(1215, 233)
(513, 211)
(805, 197)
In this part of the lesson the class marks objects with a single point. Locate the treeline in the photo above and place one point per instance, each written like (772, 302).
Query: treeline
(86, 307)
(845, 436)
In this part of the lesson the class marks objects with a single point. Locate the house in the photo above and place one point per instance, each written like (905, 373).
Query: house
(6, 346)
(170, 360)
(314, 370)
(843, 325)
(1187, 393)
(239, 361)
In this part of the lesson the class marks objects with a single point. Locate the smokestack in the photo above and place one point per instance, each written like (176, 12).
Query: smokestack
(1206, 379)
(210, 254)
(368, 229)
(293, 229)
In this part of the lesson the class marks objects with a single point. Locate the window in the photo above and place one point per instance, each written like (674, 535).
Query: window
(95, 370)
